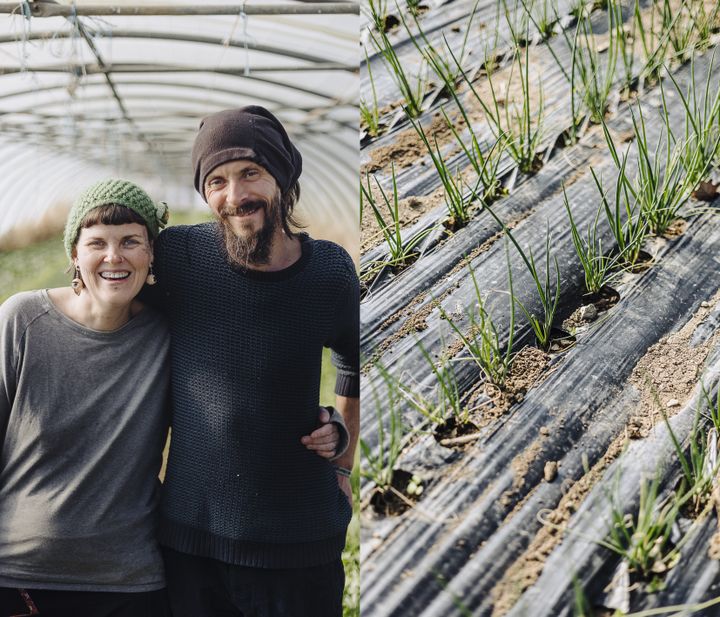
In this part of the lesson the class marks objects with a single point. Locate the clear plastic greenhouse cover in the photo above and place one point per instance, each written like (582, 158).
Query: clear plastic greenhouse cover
(96, 89)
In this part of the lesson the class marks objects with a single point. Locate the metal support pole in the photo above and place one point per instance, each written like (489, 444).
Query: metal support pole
(49, 9)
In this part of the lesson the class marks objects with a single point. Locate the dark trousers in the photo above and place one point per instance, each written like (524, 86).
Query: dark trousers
(201, 587)
(53, 603)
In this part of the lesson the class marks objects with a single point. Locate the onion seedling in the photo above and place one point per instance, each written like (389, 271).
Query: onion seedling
(369, 111)
(596, 265)
(582, 606)
(412, 94)
(379, 465)
(698, 469)
(401, 252)
(626, 48)
(701, 145)
(485, 163)
(655, 41)
(548, 293)
(688, 27)
(546, 19)
(643, 539)
(483, 341)
(518, 23)
(448, 393)
(623, 215)
(596, 77)
(457, 204)
(662, 185)
(676, 23)
(713, 407)
(413, 6)
(378, 12)
(705, 22)
(444, 64)
(515, 125)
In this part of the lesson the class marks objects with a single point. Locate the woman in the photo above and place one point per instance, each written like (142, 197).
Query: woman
(82, 423)
(83, 382)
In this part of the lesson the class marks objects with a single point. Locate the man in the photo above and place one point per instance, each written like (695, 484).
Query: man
(253, 521)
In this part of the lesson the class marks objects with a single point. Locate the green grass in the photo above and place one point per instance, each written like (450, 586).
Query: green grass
(37, 266)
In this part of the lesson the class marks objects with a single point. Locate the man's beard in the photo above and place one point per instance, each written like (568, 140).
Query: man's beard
(252, 249)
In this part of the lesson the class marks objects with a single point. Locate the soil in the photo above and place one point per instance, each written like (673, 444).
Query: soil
(706, 191)
(528, 366)
(675, 229)
(561, 340)
(521, 465)
(407, 147)
(590, 309)
(668, 373)
(410, 209)
(453, 431)
(416, 322)
(644, 262)
(604, 299)
(714, 548)
(525, 571)
(395, 500)
(369, 282)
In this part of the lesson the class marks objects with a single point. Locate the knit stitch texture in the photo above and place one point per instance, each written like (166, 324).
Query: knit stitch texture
(246, 351)
(121, 192)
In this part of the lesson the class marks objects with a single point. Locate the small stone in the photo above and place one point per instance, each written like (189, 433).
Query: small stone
(550, 471)
(588, 312)
(673, 402)
(544, 430)
(705, 304)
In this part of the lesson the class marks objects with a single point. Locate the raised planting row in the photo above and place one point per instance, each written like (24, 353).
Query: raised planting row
(645, 534)
(479, 413)
(489, 123)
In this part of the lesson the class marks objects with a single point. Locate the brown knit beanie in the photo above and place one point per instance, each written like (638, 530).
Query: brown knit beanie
(251, 133)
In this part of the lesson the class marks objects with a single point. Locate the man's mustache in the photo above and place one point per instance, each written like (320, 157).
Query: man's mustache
(243, 208)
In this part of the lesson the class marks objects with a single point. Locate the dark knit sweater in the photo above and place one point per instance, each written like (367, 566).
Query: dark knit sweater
(245, 362)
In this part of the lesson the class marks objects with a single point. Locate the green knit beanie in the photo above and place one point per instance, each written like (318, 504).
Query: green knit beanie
(120, 192)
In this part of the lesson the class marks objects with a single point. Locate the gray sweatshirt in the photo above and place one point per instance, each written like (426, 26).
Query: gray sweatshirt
(82, 426)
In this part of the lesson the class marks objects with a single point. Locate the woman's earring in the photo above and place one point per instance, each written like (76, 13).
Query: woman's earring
(77, 283)
(151, 280)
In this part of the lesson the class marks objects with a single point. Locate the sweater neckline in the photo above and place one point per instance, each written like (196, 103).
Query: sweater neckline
(141, 317)
(306, 247)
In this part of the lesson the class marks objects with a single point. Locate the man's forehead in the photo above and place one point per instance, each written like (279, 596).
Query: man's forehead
(237, 166)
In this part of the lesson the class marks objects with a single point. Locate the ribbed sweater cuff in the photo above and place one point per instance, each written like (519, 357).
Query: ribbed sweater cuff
(202, 543)
(347, 384)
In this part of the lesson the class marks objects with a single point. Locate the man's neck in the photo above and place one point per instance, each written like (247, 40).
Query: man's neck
(285, 251)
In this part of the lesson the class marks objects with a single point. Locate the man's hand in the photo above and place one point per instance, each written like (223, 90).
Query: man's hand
(324, 440)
